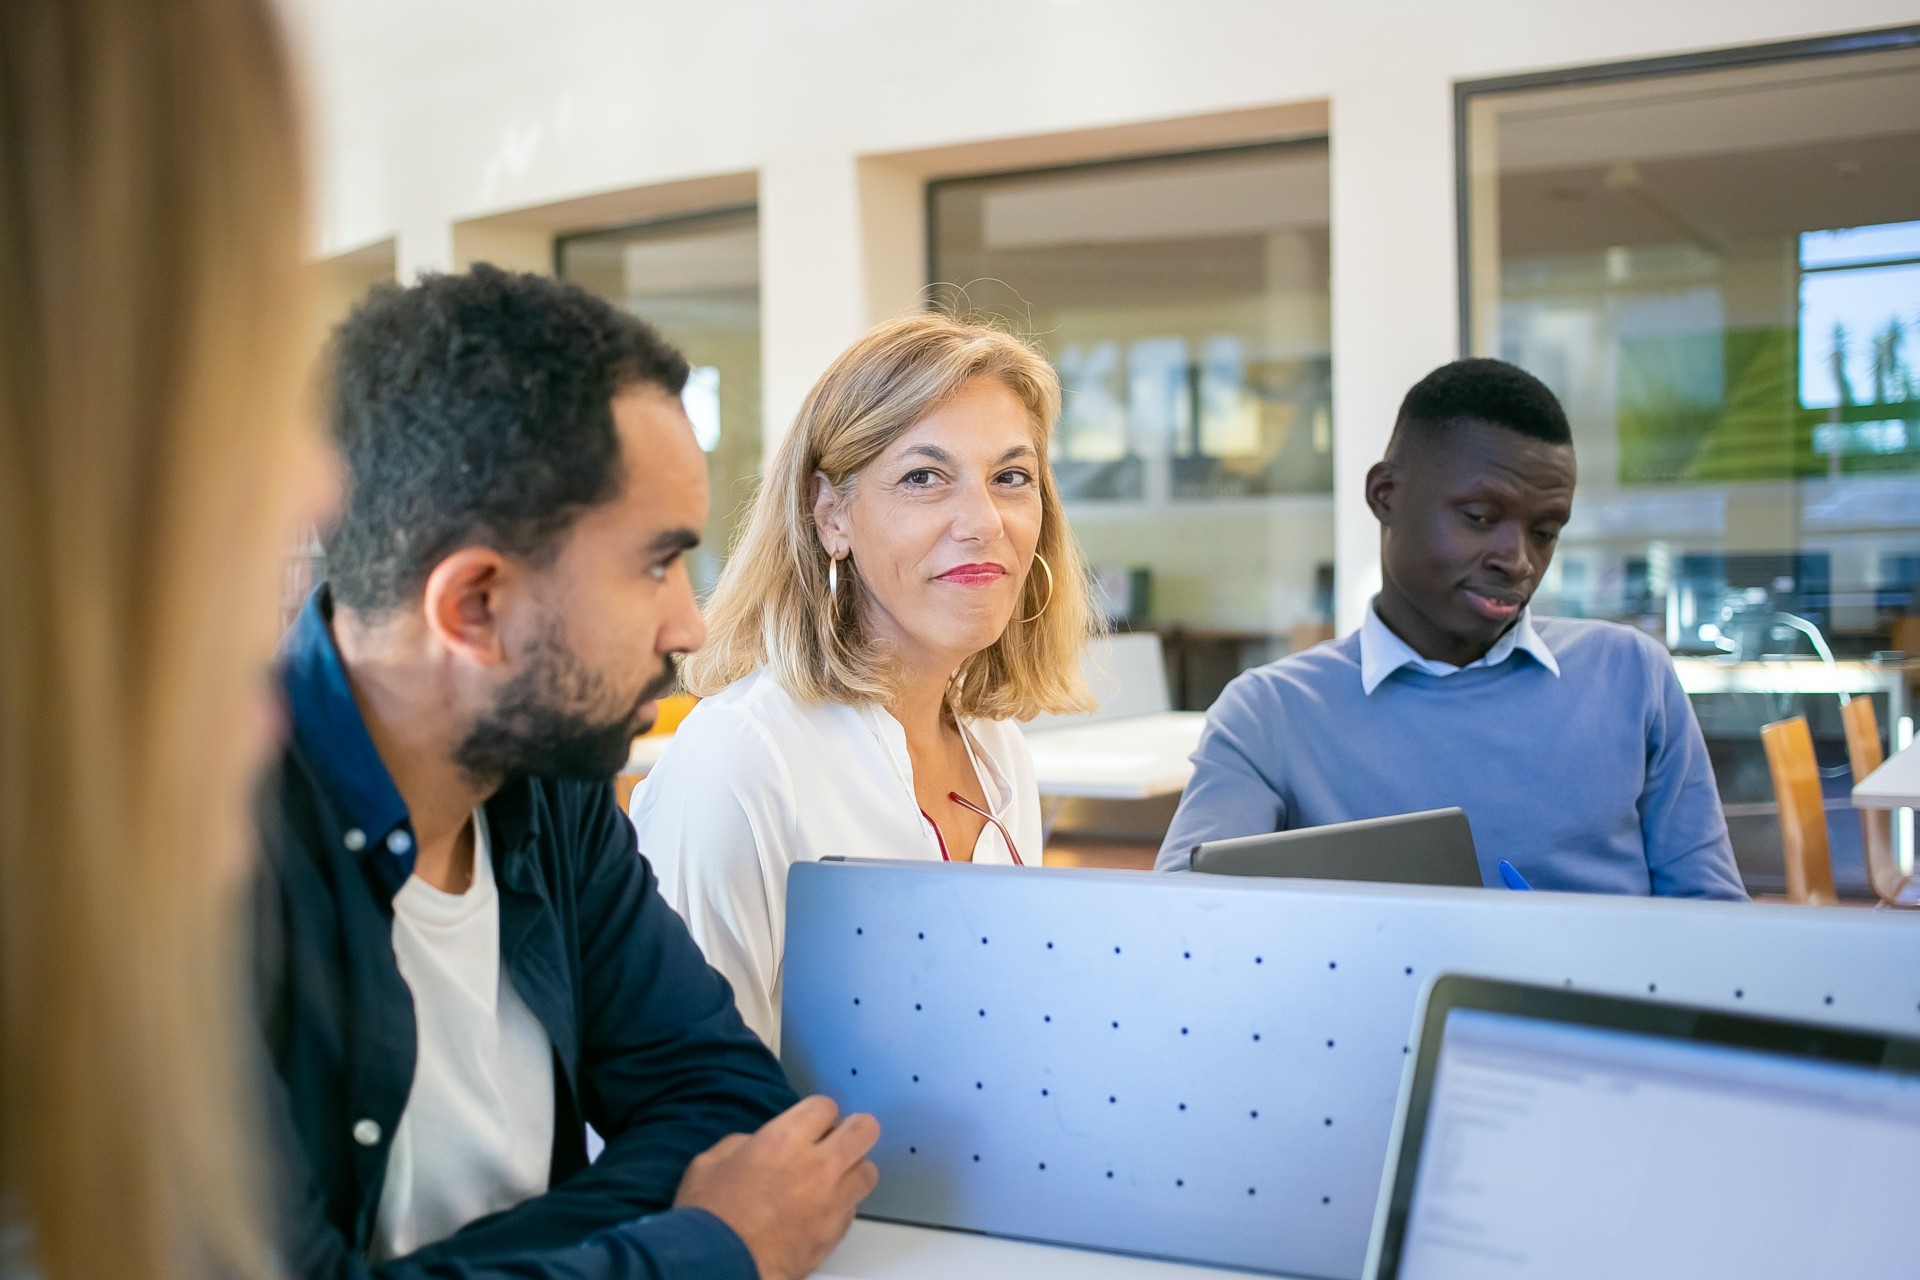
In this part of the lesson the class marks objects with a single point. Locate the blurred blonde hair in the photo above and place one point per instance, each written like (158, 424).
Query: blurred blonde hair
(151, 299)
(770, 608)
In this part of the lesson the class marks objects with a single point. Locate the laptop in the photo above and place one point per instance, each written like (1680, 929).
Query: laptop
(1545, 1132)
(1434, 847)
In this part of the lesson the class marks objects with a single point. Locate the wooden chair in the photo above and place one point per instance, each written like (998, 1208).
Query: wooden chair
(1876, 825)
(1803, 811)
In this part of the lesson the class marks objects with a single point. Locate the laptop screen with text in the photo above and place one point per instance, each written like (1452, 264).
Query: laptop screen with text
(1593, 1153)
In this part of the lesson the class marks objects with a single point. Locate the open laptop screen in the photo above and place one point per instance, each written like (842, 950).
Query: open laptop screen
(1576, 1152)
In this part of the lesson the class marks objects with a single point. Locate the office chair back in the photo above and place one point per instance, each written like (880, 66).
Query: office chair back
(1128, 675)
(1803, 811)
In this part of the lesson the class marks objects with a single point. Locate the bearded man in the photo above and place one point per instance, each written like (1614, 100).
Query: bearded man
(464, 959)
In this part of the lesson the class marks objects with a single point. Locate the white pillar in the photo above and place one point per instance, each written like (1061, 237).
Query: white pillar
(842, 247)
(893, 220)
(1395, 290)
(425, 243)
(812, 287)
(504, 242)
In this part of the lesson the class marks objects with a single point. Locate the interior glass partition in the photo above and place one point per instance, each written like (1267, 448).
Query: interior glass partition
(1719, 273)
(697, 280)
(1184, 300)
(1716, 265)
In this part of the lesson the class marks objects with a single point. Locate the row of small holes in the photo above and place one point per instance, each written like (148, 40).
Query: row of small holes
(1178, 1182)
(1047, 1017)
(1652, 987)
(1404, 1049)
(1115, 1100)
(1184, 955)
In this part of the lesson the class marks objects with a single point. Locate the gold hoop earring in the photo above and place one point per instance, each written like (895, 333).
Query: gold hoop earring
(1049, 600)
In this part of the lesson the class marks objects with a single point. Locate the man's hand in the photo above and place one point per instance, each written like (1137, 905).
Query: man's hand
(788, 1191)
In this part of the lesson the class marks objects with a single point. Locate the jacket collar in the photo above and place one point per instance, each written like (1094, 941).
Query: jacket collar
(332, 735)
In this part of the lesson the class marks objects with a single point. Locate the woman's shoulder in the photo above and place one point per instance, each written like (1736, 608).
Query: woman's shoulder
(722, 754)
(754, 715)
(749, 691)
(759, 700)
(720, 734)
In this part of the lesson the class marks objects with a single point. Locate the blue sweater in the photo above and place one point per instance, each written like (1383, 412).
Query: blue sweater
(1596, 780)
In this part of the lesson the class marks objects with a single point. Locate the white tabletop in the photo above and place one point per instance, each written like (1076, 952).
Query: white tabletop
(646, 754)
(1787, 675)
(1894, 785)
(890, 1251)
(1129, 758)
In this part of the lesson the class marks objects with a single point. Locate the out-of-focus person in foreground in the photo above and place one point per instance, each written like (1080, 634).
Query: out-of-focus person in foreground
(150, 346)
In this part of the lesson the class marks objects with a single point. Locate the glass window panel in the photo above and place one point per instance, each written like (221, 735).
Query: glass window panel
(1184, 301)
(1719, 272)
(696, 280)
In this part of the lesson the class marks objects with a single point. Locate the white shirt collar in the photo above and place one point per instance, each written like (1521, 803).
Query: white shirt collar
(1382, 652)
(988, 768)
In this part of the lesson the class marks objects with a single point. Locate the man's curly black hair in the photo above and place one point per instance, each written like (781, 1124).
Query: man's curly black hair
(475, 409)
(1483, 390)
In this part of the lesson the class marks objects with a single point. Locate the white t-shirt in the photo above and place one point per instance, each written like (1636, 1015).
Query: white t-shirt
(755, 781)
(477, 1134)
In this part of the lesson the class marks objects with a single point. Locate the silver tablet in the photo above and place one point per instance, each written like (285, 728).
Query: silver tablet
(1434, 847)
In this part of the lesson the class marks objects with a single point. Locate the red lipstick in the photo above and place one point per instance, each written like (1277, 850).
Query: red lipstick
(973, 575)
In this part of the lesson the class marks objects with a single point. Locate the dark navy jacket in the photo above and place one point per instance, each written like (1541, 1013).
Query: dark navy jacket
(647, 1047)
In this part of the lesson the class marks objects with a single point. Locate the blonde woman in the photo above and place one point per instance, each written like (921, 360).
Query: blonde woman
(906, 588)
(150, 317)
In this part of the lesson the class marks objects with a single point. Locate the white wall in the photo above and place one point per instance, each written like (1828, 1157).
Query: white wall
(431, 113)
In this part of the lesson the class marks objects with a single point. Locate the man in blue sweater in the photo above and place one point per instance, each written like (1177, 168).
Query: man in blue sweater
(1569, 743)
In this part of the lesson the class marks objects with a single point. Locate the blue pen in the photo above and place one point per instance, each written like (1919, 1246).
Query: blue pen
(1512, 878)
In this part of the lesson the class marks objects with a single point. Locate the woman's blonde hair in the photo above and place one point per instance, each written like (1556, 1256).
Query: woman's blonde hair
(151, 319)
(771, 608)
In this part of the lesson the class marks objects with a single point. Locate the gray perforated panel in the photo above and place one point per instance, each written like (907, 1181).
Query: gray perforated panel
(1205, 1068)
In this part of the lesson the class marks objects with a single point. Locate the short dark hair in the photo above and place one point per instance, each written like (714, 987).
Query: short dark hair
(475, 409)
(1484, 390)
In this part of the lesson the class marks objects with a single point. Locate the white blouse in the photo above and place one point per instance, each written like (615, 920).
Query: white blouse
(755, 781)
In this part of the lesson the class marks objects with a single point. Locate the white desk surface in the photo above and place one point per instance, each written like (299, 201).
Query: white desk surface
(646, 754)
(1129, 758)
(891, 1251)
(1894, 785)
(1787, 675)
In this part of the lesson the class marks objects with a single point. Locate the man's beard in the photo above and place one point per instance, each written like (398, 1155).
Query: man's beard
(547, 721)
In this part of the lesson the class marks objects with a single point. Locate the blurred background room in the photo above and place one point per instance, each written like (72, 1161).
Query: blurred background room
(1240, 230)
